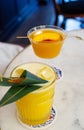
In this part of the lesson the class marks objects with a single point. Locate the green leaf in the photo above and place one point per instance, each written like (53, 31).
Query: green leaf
(31, 79)
(28, 78)
(21, 86)
(5, 82)
(15, 93)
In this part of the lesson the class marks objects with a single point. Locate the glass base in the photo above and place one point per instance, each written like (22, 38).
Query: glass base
(50, 121)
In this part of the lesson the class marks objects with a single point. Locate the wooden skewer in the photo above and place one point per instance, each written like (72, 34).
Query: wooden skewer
(21, 37)
(72, 36)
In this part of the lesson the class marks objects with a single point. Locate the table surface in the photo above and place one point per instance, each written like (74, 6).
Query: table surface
(69, 92)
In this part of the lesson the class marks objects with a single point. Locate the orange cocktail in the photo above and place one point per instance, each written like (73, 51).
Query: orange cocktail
(35, 107)
(46, 40)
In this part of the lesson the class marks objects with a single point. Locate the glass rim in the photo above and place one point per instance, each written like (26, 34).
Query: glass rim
(44, 27)
(46, 84)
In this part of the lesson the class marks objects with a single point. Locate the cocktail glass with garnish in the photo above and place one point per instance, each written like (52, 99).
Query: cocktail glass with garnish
(35, 108)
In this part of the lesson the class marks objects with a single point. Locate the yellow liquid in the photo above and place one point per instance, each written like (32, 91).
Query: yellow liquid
(47, 43)
(35, 107)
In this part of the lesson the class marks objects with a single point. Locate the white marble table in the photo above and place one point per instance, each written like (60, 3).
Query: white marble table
(69, 93)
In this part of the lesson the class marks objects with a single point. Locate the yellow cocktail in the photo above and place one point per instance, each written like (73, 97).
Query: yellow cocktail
(35, 107)
(46, 40)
